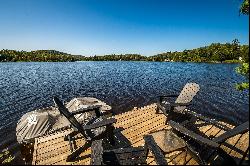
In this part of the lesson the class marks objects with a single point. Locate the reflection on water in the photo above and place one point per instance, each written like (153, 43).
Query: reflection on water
(123, 85)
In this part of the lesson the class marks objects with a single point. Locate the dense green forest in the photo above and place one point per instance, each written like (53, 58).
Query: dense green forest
(37, 56)
(216, 52)
(114, 57)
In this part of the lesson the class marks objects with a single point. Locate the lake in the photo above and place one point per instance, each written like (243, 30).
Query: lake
(25, 86)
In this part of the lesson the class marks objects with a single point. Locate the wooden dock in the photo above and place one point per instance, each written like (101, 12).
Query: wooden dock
(130, 129)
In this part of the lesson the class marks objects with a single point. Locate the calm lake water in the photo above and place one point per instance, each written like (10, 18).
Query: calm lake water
(123, 85)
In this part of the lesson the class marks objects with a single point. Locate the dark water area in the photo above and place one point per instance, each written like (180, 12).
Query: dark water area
(26, 86)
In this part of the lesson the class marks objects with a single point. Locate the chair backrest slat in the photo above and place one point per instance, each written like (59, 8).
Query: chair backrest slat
(188, 92)
(63, 110)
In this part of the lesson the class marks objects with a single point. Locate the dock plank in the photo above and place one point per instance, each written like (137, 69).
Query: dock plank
(242, 144)
(134, 124)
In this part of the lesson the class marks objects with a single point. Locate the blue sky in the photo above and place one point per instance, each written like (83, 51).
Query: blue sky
(97, 27)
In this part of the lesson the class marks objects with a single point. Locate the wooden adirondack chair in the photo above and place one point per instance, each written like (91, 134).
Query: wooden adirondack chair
(177, 110)
(174, 141)
(96, 129)
(126, 156)
(182, 100)
(213, 144)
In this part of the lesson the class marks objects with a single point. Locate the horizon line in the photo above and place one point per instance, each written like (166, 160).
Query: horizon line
(69, 52)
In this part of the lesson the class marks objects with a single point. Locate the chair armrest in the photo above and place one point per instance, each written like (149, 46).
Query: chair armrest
(99, 124)
(126, 150)
(244, 127)
(170, 106)
(193, 135)
(156, 151)
(208, 120)
(171, 95)
(166, 96)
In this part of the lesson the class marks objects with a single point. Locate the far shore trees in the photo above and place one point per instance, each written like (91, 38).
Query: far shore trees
(216, 52)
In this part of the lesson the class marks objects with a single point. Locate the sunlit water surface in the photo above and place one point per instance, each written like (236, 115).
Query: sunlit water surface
(123, 85)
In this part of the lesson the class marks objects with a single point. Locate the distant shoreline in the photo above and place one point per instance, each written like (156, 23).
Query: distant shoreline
(214, 53)
(212, 62)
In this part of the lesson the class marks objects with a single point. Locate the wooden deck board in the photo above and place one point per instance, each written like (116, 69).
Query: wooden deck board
(242, 144)
(134, 124)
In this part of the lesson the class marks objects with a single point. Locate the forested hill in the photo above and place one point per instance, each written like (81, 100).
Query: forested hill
(216, 52)
(37, 56)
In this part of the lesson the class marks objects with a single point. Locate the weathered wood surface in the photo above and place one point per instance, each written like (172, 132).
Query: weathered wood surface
(97, 152)
(52, 149)
(155, 150)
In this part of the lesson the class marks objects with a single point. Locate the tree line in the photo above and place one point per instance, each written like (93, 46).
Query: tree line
(37, 56)
(216, 52)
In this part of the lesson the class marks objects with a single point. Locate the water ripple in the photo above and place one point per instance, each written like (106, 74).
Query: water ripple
(123, 85)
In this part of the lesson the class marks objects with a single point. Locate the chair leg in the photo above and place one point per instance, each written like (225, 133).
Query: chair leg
(78, 151)
(110, 134)
(157, 109)
(96, 153)
(244, 156)
(195, 155)
(110, 158)
(71, 145)
(146, 150)
(154, 148)
(228, 160)
(97, 112)
(72, 134)
(71, 140)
